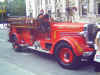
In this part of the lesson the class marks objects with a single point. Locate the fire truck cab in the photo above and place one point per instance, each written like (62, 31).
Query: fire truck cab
(70, 43)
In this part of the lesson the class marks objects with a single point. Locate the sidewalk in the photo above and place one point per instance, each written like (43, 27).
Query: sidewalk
(90, 20)
(12, 69)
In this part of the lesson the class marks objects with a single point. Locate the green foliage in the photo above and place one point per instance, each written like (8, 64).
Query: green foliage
(16, 7)
(3, 15)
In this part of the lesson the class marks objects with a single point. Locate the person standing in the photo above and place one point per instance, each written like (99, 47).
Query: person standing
(41, 14)
(68, 13)
(97, 54)
(74, 10)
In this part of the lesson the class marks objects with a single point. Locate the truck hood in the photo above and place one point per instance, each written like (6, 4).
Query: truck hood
(69, 27)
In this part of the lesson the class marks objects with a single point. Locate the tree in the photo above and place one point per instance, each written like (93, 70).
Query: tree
(3, 6)
(16, 7)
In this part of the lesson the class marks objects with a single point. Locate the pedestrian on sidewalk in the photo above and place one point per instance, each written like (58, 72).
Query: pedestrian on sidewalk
(68, 9)
(97, 54)
(74, 10)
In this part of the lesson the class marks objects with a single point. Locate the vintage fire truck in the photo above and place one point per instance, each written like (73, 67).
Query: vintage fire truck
(70, 43)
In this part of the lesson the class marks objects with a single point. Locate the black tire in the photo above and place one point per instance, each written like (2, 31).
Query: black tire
(74, 61)
(17, 48)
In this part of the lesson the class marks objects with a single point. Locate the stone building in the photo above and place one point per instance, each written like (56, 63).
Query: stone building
(86, 9)
(97, 8)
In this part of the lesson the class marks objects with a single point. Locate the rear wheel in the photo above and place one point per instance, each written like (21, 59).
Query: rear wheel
(66, 57)
(17, 48)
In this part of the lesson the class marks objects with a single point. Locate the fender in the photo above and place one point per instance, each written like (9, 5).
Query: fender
(75, 45)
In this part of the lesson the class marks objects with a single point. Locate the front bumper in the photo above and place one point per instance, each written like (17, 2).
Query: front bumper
(86, 56)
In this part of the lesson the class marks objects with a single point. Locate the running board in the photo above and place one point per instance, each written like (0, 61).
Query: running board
(38, 49)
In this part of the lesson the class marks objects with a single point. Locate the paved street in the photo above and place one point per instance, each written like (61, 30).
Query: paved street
(32, 63)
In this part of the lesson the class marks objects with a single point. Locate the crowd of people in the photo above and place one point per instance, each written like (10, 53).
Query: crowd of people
(70, 13)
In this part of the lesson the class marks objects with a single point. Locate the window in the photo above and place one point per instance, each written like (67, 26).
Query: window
(84, 10)
(98, 8)
(58, 13)
(84, 7)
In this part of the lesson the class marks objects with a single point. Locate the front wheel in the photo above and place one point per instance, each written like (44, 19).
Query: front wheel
(66, 57)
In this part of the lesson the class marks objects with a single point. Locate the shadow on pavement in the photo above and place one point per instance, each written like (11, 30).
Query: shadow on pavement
(40, 54)
(83, 66)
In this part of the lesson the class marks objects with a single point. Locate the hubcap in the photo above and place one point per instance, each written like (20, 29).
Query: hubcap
(66, 55)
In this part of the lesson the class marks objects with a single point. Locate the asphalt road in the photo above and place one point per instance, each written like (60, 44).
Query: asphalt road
(32, 63)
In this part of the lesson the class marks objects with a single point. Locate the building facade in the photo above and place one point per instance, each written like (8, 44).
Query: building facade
(86, 10)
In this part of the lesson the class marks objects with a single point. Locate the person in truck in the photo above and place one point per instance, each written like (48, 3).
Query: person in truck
(41, 14)
(44, 23)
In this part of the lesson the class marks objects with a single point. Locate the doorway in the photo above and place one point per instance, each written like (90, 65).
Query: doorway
(98, 8)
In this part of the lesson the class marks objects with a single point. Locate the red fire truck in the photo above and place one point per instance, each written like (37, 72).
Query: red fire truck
(70, 43)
